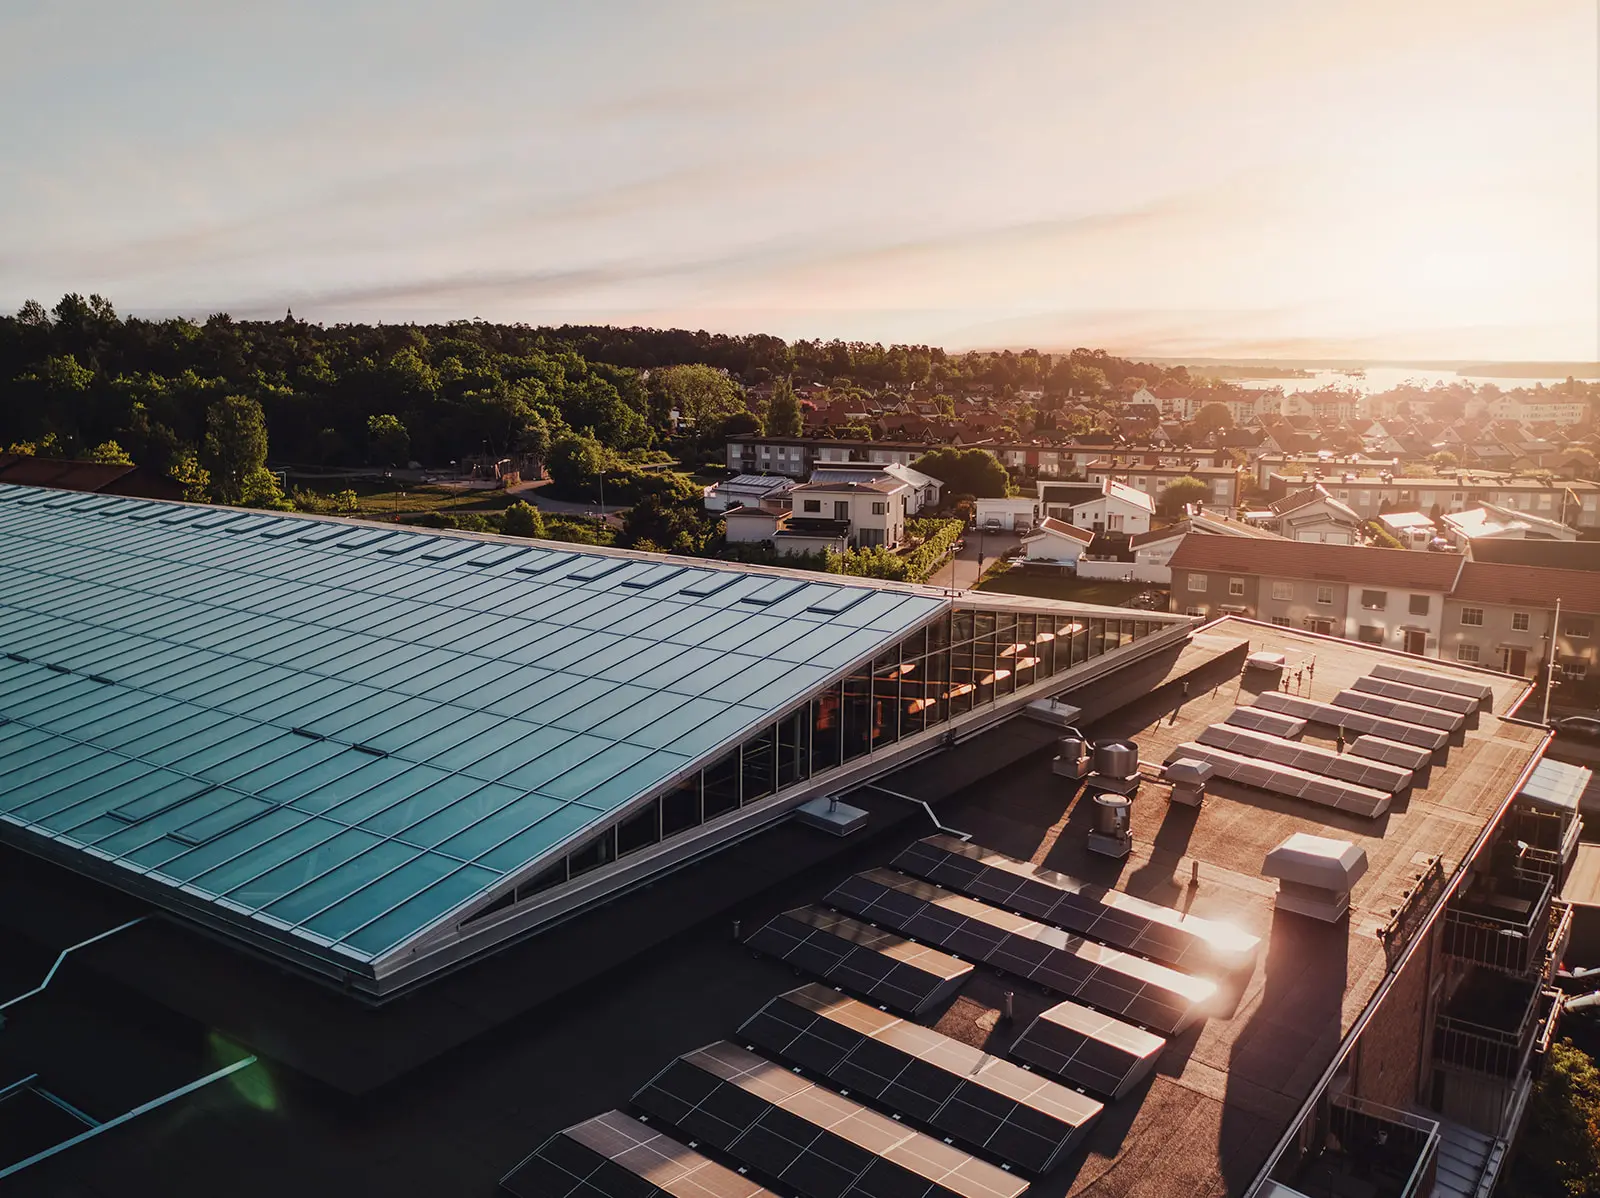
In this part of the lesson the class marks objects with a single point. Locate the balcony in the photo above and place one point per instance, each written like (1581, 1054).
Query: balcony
(1489, 1025)
(1370, 1150)
(1501, 921)
(1545, 842)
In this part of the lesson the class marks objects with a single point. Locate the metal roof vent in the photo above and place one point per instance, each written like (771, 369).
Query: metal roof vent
(1315, 875)
(1188, 776)
(1072, 758)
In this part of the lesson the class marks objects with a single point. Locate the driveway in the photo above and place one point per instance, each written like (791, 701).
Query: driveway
(963, 571)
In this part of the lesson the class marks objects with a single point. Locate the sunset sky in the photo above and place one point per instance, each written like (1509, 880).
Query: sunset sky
(1236, 177)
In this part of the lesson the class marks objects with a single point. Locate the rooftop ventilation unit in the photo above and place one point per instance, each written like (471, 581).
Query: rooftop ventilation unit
(1188, 776)
(1112, 835)
(1072, 758)
(1116, 766)
(1054, 712)
(1315, 875)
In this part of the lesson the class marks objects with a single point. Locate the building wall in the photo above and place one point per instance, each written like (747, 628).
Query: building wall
(1394, 1047)
(1217, 593)
(1496, 633)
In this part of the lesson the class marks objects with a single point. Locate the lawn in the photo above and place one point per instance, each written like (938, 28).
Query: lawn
(379, 499)
(1061, 586)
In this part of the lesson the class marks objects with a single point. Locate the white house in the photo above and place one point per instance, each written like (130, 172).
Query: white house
(875, 510)
(1118, 508)
(748, 525)
(748, 490)
(1492, 522)
(925, 489)
(1412, 529)
(1055, 542)
(1314, 515)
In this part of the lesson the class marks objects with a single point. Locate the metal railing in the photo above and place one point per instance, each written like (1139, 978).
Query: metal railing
(1481, 1048)
(1482, 926)
(62, 956)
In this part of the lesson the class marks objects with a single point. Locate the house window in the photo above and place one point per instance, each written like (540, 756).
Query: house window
(1235, 586)
(1472, 617)
(1283, 590)
(1574, 667)
(1578, 629)
(1466, 652)
(1375, 600)
(1519, 621)
(813, 505)
(1114, 523)
(1419, 605)
(880, 509)
(1194, 611)
(1197, 582)
(1370, 634)
(1281, 621)
(1325, 595)
(1317, 624)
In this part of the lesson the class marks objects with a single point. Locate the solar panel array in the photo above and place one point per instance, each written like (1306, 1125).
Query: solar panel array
(1462, 705)
(1376, 748)
(1108, 979)
(1394, 709)
(879, 965)
(615, 1156)
(1313, 759)
(1288, 781)
(1352, 720)
(818, 1143)
(342, 735)
(1185, 942)
(1089, 1049)
(956, 1090)
(1481, 691)
(1257, 720)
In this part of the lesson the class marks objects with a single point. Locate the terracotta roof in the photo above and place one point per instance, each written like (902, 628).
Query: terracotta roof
(1357, 564)
(1158, 534)
(1051, 524)
(1298, 499)
(1528, 586)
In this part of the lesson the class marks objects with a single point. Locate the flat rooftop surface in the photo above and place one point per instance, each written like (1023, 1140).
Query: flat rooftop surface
(495, 1088)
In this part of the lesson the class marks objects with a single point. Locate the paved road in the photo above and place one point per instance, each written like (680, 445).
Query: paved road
(966, 563)
(535, 493)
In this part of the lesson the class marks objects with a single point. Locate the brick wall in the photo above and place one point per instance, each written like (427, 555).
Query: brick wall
(1395, 1044)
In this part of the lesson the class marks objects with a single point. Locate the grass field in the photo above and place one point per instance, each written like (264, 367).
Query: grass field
(1061, 586)
(379, 499)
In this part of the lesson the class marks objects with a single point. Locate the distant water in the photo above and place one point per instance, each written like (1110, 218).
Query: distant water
(1386, 378)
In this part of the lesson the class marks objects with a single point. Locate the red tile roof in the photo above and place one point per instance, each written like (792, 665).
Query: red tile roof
(1357, 564)
(1066, 530)
(1528, 587)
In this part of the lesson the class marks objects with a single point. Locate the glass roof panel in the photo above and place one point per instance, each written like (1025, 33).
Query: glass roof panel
(279, 681)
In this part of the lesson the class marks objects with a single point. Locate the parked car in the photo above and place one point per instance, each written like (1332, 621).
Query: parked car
(1579, 727)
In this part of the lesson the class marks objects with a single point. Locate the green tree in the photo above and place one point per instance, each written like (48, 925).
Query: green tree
(973, 472)
(1181, 492)
(389, 439)
(109, 453)
(259, 488)
(194, 478)
(1558, 1154)
(576, 463)
(701, 395)
(235, 445)
(784, 418)
(522, 520)
(1444, 460)
(1213, 418)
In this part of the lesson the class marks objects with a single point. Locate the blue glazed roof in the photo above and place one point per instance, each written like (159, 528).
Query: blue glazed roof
(340, 733)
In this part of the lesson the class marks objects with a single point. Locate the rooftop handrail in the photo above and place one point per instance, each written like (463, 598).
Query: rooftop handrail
(62, 956)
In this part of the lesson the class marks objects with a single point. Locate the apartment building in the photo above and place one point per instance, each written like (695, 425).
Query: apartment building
(1568, 501)
(1223, 481)
(1384, 597)
(1502, 616)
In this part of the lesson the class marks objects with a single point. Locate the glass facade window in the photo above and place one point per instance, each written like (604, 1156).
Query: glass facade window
(964, 660)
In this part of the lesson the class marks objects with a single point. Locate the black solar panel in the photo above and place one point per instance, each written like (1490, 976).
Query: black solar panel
(1480, 691)
(615, 1156)
(1395, 709)
(1311, 758)
(956, 1090)
(1257, 720)
(1462, 705)
(1108, 916)
(864, 960)
(1140, 991)
(1289, 781)
(1088, 1049)
(813, 1141)
(1353, 721)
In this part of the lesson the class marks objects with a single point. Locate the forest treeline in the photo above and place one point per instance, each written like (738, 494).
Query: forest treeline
(78, 377)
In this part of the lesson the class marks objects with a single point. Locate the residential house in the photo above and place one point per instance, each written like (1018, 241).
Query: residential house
(1566, 501)
(925, 489)
(875, 511)
(1412, 529)
(1550, 555)
(748, 490)
(1379, 596)
(1103, 506)
(1312, 514)
(1502, 616)
(1056, 543)
(1491, 522)
(1014, 514)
